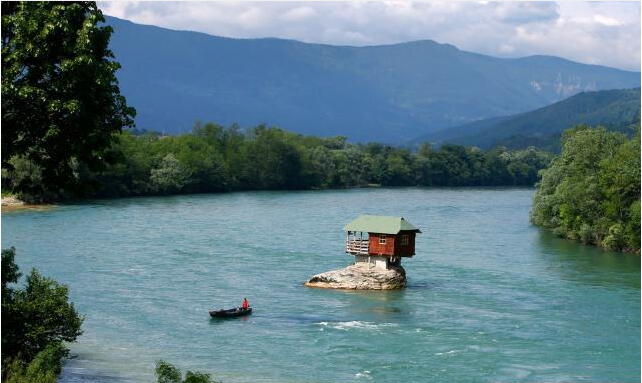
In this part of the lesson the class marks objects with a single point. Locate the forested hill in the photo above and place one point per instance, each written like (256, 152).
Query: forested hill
(617, 110)
(387, 93)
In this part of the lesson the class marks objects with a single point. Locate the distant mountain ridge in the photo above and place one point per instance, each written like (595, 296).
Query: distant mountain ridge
(614, 109)
(387, 93)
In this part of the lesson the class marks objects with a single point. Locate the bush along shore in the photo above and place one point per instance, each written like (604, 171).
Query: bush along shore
(591, 191)
(37, 321)
(214, 158)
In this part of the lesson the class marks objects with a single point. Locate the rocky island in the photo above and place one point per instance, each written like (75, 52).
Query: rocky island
(377, 243)
(360, 276)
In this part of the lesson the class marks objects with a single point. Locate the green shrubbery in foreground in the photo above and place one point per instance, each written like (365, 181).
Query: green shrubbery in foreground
(591, 191)
(167, 373)
(36, 320)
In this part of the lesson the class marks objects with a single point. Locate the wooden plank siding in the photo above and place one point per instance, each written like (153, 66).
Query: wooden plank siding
(393, 246)
(376, 248)
(405, 250)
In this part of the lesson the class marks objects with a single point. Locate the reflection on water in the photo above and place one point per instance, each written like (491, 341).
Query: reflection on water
(588, 264)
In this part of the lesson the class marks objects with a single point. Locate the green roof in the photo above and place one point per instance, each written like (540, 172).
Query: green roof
(380, 224)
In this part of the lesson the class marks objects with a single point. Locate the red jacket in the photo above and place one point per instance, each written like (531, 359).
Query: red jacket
(246, 304)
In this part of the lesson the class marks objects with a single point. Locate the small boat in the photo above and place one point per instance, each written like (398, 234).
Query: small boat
(231, 313)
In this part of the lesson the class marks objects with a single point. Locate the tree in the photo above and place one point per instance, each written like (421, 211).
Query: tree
(36, 316)
(61, 104)
(591, 191)
(170, 176)
(272, 162)
(44, 368)
(215, 158)
(10, 273)
(167, 373)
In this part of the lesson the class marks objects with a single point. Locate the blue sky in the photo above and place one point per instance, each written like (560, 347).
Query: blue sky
(605, 33)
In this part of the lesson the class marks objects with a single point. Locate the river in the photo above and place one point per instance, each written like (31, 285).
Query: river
(490, 298)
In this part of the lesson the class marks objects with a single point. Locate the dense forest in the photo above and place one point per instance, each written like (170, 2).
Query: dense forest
(215, 159)
(591, 191)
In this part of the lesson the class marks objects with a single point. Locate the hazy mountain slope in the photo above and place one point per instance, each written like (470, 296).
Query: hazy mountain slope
(383, 93)
(614, 109)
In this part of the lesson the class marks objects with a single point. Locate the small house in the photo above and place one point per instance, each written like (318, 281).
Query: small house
(380, 241)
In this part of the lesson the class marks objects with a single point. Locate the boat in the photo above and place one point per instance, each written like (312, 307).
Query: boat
(231, 313)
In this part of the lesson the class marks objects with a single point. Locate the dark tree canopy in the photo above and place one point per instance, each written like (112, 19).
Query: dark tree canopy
(61, 104)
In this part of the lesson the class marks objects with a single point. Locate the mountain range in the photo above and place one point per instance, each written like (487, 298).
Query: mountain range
(386, 93)
(614, 109)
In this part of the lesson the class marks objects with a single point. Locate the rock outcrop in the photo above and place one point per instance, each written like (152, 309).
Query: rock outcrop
(360, 277)
(11, 201)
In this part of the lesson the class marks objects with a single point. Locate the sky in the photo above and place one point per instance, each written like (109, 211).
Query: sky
(604, 33)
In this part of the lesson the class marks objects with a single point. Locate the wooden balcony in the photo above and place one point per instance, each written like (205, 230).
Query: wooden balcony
(357, 246)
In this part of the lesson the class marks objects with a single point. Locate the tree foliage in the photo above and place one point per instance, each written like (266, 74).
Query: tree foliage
(214, 158)
(61, 104)
(44, 368)
(168, 373)
(36, 320)
(591, 191)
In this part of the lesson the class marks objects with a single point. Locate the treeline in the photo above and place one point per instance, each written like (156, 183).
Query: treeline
(214, 158)
(591, 191)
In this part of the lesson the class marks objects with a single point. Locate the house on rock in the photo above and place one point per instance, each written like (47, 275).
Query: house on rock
(380, 241)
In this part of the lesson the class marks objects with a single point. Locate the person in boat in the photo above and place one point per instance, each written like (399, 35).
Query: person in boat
(245, 304)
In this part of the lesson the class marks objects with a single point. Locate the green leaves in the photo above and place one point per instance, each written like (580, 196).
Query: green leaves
(167, 373)
(35, 316)
(60, 96)
(44, 368)
(36, 320)
(592, 189)
(170, 176)
(214, 159)
(10, 273)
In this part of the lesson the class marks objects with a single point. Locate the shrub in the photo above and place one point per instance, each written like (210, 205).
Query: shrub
(168, 373)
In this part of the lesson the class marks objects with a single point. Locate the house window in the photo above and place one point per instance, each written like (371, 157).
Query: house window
(382, 239)
(405, 239)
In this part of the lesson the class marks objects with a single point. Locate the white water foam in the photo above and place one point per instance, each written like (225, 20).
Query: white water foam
(363, 374)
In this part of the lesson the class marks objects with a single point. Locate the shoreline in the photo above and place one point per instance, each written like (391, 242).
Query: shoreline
(11, 203)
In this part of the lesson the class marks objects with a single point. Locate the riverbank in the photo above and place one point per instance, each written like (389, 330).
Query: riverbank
(11, 203)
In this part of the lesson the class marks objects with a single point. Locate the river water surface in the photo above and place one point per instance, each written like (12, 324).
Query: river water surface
(490, 298)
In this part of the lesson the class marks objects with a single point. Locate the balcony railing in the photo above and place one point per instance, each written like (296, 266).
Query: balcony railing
(357, 246)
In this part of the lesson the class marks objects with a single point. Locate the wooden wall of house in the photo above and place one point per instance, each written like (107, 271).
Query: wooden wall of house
(393, 245)
(405, 250)
(376, 248)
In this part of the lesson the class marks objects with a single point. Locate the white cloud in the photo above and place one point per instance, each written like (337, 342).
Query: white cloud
(606, 33)
(605, 20)
(299, 13)
(525, 12)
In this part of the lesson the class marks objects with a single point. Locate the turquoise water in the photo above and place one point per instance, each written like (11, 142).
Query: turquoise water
(490, 297)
